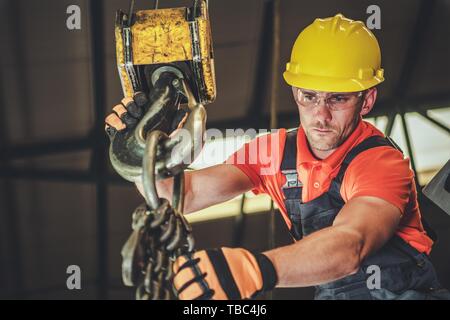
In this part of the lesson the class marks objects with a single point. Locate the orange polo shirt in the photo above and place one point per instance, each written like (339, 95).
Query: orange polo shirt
(380, 172)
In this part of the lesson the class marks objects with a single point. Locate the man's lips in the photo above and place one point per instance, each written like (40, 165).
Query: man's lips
(322, 130)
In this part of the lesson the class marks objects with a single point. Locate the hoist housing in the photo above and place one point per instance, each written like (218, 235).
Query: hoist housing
(179, 37)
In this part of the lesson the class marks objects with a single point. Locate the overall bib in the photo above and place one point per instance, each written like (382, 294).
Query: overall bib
(405, 273)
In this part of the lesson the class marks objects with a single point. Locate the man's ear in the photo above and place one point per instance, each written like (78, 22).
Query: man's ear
(370, 97)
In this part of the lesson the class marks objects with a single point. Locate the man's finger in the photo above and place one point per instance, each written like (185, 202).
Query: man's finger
(124, 116)
(141, 99)
(183, 277)
(180, 261)
(119, 109)
(191, 292)
(114, 121)
(133, 109)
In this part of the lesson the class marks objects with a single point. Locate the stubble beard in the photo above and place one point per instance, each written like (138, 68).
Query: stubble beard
(331, 140)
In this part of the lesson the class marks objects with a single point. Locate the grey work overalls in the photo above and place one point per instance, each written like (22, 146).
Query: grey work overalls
(405, 272)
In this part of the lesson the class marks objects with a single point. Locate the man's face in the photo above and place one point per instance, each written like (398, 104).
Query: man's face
(328, 118)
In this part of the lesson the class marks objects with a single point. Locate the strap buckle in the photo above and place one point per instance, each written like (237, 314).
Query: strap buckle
(291, 179)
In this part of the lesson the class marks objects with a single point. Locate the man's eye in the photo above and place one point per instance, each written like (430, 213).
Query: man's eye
(308, 97)
(339, 99)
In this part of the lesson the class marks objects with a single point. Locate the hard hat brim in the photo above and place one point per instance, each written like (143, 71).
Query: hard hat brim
(328, 84)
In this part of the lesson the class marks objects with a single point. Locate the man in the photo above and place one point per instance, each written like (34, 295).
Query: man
(346, 193)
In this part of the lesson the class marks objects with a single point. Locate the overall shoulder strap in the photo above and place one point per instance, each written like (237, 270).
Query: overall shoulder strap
(292, 187)
(369, 143)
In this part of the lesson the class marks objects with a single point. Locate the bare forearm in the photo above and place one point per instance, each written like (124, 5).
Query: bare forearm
(206, 187)
(165, 190)
(324, 256)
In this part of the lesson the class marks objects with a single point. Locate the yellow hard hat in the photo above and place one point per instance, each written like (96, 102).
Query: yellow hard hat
(335, 54)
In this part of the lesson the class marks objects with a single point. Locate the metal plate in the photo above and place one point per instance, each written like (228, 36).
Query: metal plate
(438, 189)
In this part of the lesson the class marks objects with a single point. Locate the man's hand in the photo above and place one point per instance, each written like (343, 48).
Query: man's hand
(222, 274)
(126, 115)
(125, 152)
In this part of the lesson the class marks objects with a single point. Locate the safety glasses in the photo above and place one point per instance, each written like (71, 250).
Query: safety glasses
(335, 101)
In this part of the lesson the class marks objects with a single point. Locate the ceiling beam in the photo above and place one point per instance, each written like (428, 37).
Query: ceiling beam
(45, 148)
(261, 82)
(416, 44)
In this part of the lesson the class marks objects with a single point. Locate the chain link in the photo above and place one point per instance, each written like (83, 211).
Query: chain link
(158, 237)
(160, 234)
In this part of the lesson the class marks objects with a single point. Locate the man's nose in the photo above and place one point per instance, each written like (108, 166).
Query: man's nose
(322, 112)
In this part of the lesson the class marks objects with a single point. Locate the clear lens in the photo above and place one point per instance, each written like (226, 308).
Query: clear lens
(334, 100)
